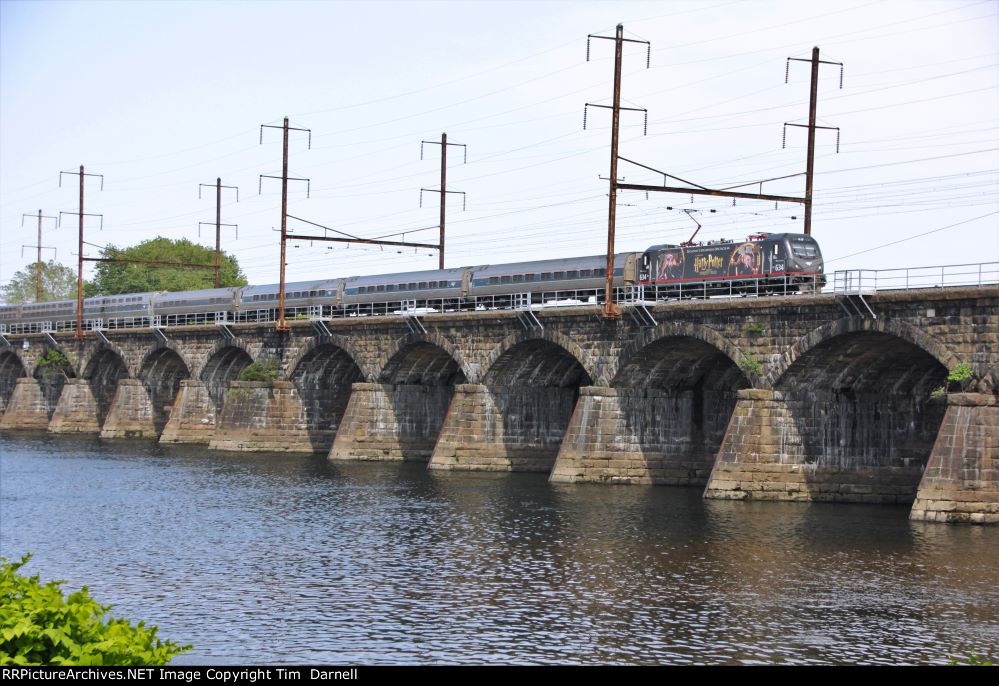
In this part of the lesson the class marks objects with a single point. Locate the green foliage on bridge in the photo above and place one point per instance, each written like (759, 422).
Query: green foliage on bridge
(112, 278)
(260, 371)
(38, 626)
(58, 283)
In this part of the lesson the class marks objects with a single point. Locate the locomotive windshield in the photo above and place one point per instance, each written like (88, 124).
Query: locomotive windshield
(806, 250)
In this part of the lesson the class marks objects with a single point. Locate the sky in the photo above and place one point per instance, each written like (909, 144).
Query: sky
(159, 97)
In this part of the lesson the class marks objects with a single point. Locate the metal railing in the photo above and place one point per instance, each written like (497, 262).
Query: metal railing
(866, 281)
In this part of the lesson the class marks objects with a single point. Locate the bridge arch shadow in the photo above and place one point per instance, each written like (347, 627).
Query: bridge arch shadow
(323, 376)
(222, 367)
(533, 384)
(676, 395)
(858, 399)
(161, 372)
(105, 368)
(416, 389)
(11, 369)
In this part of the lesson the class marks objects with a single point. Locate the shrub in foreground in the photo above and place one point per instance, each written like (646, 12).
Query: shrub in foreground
(38, 626)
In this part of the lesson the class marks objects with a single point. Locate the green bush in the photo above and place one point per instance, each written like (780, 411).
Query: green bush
(260, 371)
(38, 626)
(53, 362)
(960, 373)
(750, 366)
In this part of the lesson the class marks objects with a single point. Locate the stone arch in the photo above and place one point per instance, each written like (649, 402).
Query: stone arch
(401, 417)
(527, 396)
(323, 376)
(342, 342)
(676, 389)
(106, 366)
(496, 369)
(99, 354)
(847, 325)
(679, 330)
(51, 380)
(216, 349)
(12, 368)
(857, 396)
(394, 367)
(223, 366)
(161, 372)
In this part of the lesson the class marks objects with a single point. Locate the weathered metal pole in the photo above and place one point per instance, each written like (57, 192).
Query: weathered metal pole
(281, 324)
(610, 309)
(810, 162)
(38, 264)
(218, 232)
(79, 271)
(440, 259)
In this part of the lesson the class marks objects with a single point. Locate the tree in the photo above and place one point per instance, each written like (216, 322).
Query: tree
(58, 283)
(112, 278)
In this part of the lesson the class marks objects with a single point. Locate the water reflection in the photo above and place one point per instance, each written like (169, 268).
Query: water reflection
(283, 558)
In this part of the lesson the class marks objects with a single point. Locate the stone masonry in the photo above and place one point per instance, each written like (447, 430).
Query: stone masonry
(794, 398)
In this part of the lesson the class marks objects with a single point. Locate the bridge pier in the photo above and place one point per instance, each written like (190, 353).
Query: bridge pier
(261, 416)
(764, 456)
(27, 409)
(961, 480)
(76, 411)
(391, 422)
(632, 436)
(192, 419)
(504, 429)
(131, 412)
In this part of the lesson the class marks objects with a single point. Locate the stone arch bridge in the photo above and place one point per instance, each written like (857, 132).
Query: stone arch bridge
(795, 398)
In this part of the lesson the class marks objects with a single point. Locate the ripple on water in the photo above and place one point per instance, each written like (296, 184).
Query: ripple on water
(278, 558)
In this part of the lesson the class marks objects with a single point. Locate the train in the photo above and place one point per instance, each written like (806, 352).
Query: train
(763, 264)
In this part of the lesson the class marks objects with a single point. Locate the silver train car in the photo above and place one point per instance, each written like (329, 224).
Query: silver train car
(785, 263)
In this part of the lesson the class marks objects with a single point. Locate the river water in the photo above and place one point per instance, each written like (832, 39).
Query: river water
(259, 559)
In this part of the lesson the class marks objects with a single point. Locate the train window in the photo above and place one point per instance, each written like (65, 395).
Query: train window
(546, 276)
(559, 275)
(518, 278)
(504, 279)
(599, 272)
(572, 274)
(584, 273)
(412, 286)
(423, 284)
(380, 289)
(390, 287)
(432, 284)
(493, 280)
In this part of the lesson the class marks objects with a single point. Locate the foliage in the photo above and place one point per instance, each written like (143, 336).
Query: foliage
(961, 372)
(260, 371)
(750, 366)
(58, 283)
(973, 660)
(113, 278)
(38, 626)
(754, 329)
(52, 362)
